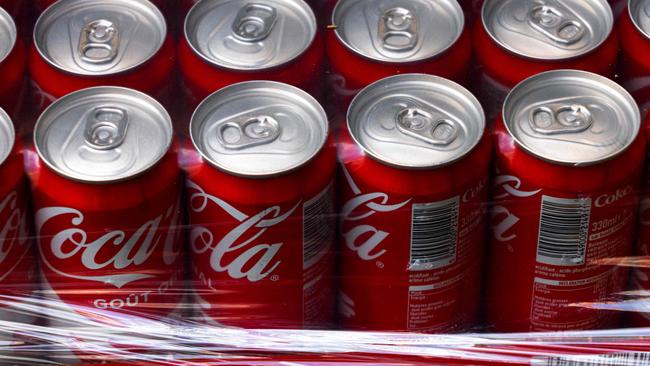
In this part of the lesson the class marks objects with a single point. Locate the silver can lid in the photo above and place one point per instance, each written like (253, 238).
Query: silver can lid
(250, 35)
(99, 37)
(548, 29)
(7, 136)
(259, 128)
(571, 117)
(416, 121)
(8, 34)
(639, 11)
(103, 134)
(398, 30)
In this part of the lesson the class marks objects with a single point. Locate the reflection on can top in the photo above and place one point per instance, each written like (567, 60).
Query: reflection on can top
(259, 128)
(639, 11)
(7, 136)
(250, 35)
(99, 37)
(398, 30)
(548, 29)
(416, 121)
(103, 134)
(8, 34)
(571, 117)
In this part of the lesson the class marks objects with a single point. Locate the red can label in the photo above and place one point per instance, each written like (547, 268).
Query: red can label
(16, 260)
(423, 255)
(263, 266)
(552, 241)
(125, 260)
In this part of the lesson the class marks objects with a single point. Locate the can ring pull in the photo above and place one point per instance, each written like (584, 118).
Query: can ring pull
(398, 29)
(560, 119)
(106, 127)
(248, 132)
(99, 42)
(553, 24)
(254, 22)
(421, 125)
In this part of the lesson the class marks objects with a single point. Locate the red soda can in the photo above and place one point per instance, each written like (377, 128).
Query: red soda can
(227, 42)
(85, 43)
(261, 208)
(17, 266)
(634, 30)
(12, 65)
(416, 162)
(472, 9)
(618, 7)
(517, 39)
(369, 41)
(568, 165)
(106, 193)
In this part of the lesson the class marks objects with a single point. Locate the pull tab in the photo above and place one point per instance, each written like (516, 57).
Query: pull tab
(560, 119)
(254, 22)
(421, 125)
(106, 128)
(553, 24)
(248, 132)
(398, 30)
(99, 42)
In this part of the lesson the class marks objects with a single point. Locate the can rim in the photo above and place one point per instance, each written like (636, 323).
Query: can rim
(602, 79)
(58, 3)
(437, 79)
(645, 34)
(14, 33)
(510, 50)
(115, 89)
(214, 63)
(211, 162)
(12, 134)
(398, 62)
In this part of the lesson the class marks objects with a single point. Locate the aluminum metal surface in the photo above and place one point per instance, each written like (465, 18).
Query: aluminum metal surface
(398, 30)
(250, 35)
(416, 121)
(571, 117)
(103, 134)
(639, 11)
(99, 37)
(7, 136)
(548, 29)
(8, 34)
(259, 128)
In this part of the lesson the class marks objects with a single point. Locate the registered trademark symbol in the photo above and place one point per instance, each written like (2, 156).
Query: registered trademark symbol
(379, 264)
(275, 278)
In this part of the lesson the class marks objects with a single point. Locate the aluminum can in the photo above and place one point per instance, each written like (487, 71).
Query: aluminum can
(12, 65)
(226, 42)
(17, 264)
(370, 40)
(634, 68)
(261, 208)
(165, 6)
(520, 38)
(416, 162)
(569, 156)
(107, 206)
(86, 43)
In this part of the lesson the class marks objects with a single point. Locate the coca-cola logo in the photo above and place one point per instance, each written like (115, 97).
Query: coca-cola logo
(608, 199)
(13, 234)
(503, 221)
(130, 252)
(255, 260)
(475, 191)
(365, 239)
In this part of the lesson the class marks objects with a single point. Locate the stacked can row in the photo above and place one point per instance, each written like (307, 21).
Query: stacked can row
(415, 162)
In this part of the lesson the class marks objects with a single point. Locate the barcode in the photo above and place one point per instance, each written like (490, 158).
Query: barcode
(318, 226)
(613, 359)
(434, 231)
(563, 230)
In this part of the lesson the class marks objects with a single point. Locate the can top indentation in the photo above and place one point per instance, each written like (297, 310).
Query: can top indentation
(571, 117)
(7, 136)
(416, 121)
